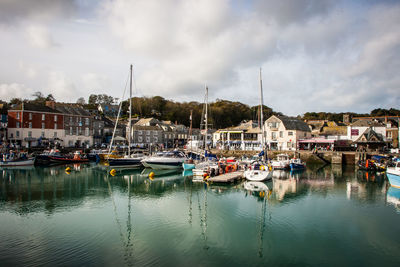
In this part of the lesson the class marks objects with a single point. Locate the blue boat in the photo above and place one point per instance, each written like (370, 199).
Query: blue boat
(188, 166)
(393, 175)
(297, 164)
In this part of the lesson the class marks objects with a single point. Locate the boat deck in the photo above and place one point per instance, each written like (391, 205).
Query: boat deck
(227, 177)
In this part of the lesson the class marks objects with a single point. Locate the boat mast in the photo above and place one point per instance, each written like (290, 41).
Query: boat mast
(206, 120)
(130, 114)
(261, 117)
(190, 130)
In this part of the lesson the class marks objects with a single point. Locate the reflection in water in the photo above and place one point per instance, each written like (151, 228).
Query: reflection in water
(393, 197)
(88, 217)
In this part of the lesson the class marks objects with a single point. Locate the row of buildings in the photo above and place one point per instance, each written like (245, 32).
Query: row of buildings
(70, 125)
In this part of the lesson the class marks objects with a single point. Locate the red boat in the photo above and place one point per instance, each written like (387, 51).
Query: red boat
(65, 159)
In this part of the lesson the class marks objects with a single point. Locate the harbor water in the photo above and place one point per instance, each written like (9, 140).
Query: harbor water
(330, 216)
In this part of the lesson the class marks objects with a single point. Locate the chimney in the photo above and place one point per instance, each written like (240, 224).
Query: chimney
(51, 104)
(346, 119)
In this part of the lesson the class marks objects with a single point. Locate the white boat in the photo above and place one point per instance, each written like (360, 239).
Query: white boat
(17, 162)
(393, 175)
(259, 172)
(205, 167)
(258, 175)
(165, 160)
(255, 186)
(281, 162)
(14, 160)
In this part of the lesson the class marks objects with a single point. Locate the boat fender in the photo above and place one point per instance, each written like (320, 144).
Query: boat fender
(112, 172)
(68, 169)
(262, 168)
(151, 175)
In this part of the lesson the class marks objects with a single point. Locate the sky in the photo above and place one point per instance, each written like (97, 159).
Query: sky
(315, 55)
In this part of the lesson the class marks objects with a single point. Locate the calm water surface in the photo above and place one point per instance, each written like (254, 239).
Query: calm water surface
(328, 216)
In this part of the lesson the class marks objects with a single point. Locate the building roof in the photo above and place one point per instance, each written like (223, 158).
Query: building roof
(294, 124)
(370, 136)
(145, 128)
(34, 107)
(72, 109)
(367, 123)
(147, 121)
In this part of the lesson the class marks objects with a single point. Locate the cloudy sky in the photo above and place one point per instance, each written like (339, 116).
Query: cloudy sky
(315, 55)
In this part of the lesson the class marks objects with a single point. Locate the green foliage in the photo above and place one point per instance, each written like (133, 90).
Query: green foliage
(101, 99)
(222, 113)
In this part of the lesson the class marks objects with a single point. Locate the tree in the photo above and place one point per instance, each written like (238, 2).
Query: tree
(15, 100)
(81, 101)
(50, 97)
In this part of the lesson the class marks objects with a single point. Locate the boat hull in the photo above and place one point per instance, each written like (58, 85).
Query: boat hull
(297, 166)
(17, 163)
(125, 163)
(394, 179)
(159, 165)
(64, 160)
(258, 175)
(188, 166)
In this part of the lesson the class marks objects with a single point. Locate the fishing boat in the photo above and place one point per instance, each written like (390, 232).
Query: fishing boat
(165, 160)
(130, 161)
(16, 160)
(77, 158)
(393, 175)
(260, 171)
(281, 162)
(366, 165)
(297, 164)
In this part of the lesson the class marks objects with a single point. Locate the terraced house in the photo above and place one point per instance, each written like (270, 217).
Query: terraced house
(284, 133)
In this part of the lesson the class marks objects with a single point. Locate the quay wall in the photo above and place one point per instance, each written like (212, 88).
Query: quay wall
(346, 158)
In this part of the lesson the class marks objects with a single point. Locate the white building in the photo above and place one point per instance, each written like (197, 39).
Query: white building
(283, 133)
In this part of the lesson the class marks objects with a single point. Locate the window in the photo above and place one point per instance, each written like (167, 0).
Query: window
(165, 136)
(30, 125)
(147, 139)
(155, 133)
(273, 135)
(70, 120)
(55, 126)
(77, 130)
(17, 133)
(87, 121)
(55, 134)
(18, 116)
(389, 134)
(77, 119)
(55, 117)
(43, 117)
(289, 144)
(140, 132)
(147, 132)
(42, 134)
(42, 125)
(140, 139)
(305, 134)
(12, 135)
(87, 131)
(18, 125)
(290, 133)
(30, 116)
(280, 134)
(70, 131)
(30, 134)
(155, 139)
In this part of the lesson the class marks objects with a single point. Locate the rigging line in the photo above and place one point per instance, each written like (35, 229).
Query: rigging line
(118, 222)
(116, 122)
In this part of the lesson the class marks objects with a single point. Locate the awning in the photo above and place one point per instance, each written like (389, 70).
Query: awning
(119, 138)
(30, 139)
(317, 141)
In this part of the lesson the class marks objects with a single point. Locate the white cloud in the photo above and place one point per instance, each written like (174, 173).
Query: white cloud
(61, 87)
(316, 55)
(40, 37)
(15, 90)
